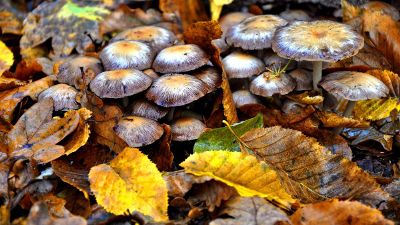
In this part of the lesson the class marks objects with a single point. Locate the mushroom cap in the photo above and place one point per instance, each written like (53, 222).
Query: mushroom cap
(120, 83)
(151, 73)
(127, 55)
(321, 40)
(354, 86)
(255, 32)
(69, 72)
(242, 65)
(267, 84)
(147, 109)
(210, 76)
(187, 129)
(244, 97)
(180, 58)
(138, 131)
(176, 90)
(295, 15)
(273, 60)
(221, 44)
(64, 97)
(157, 38)
(304, 79)
(233, 18)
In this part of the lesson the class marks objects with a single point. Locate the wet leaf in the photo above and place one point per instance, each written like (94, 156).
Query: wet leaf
(188, 11)
(81, 134)
(329, 119)
(223, 139)
(130, 182)
(338, 212)
(216, 7)
(6, 58)
(251, 211)
(36, 133)
(243, 172)
(179, 182)
(375, 109)
(392, 80)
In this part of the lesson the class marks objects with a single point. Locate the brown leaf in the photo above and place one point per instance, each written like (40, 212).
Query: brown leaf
(306, 98)
(26, 69)
(10, 98)
(340, 213)
(9, 23)
(392, 80)
(9, 83)
(359, 136)
(188, 11)
(36, 133)
(179, 182)
(161, 154)
(81, 134)
(76, 202)
(104, 134)
(330, 119)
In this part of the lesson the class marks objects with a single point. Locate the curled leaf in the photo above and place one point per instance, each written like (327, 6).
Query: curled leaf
(81, 134)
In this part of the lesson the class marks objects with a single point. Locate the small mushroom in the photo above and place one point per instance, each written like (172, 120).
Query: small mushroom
(151, 73)
(127, 55)
(138, 131)
(242, 65)
(187, 129)
(210, 76)
(233, 18)
(144, 108)
(180, 58)
(176, 90)
(157, 38)
(244, 97)
(303, 79)
(269, 83)
(354, 86)
(317, 41)
(120, 83)
(295, 15)
(273, 60)
(63, 96)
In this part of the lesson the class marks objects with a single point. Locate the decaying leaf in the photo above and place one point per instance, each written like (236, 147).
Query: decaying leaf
(216, 7)
(6, 58)
(188, 11)
(179, 182)
(161, 154)
(375, 109)
(251, 211)
(9, 23)
(359, 136)
(8, 83)
(392, 80)
(81, 134)
(130, 182)
(36, 133)
(329, 119)
(104, 134)
(243, 172)
(338, 212)
(308, 170)
(223, 139)
(306, 98)
(67, 23)
(76, 202)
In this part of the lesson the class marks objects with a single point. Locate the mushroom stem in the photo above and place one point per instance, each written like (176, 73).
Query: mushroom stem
(125, 101)
(317, 74)
(349, 108)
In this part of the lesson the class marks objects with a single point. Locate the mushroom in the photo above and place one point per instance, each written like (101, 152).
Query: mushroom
(269, 83)
(303, 79)
(210, 76)
(63, 96)
(151, 73)
(176, 90)
(273, 60)
(145, 108)
(295, 15)
(244, 97)
(157, 38)
(187, 129)
(120, 83)
(233, 18)
(242, 65)
(127, 55)
(317, 41)
(138, 131)
(354, 86)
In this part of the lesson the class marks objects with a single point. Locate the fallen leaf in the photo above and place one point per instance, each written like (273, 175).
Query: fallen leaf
(306, 98)
(216, 8)
(36, 133)
(9, 83)
(76, 202)
(359, 136)
(81, 134)
(104, 134)
(338, 212)
(161, 154)
(130, 182)
(6, 58)
(390, 79)
(223, 139)
(243, 172)
(27, 69)
(251, 211)
(9, 23)
(375, 109)
(179, 182)
(188, 11)
(330, 119)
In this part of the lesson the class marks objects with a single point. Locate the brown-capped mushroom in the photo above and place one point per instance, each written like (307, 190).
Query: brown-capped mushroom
(242, 65)
(187, 129)
(64, 97)
(145, 108)
(233, 18)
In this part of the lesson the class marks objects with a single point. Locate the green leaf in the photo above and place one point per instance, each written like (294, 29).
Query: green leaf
(223, 139)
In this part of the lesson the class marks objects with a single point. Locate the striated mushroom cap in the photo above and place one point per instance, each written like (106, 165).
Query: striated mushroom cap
(255, 32)
(295, 15)
(244, 97)
(267, 84)
(63, 96)
(354, 86)
(127, 55)
(180, 58)
(242, 65)
(210, 76)
(147, 109)
(187, 129)
(120, 83)
(138, 131)
(233, 18)
(321, 40)
(176, 90)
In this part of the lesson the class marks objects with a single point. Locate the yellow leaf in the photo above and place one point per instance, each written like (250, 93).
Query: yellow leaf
(216, 7)
(81, 133)
(131, 182)
(375, 109)
(6, 58)
(243, 172)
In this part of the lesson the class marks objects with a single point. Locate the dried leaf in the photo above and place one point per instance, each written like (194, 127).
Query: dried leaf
(223, 139)
(308, 170)
(131, 182)
(27, 69)
(179, 182)
(243, 172)
(375, 109)
(306, 99)
(8, 83)
(340, 213)
(329, 119)
(251, 211)
(76, 202)
(188, 11)
(161, 154)
(81, 134)
(36, 133)
(104, 134)
(6, 58)
(40, 213)
(392, 80)
(9, 23)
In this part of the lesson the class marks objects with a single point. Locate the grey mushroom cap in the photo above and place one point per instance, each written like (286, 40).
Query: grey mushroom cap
(267, 84)
(255, 32)
(69, 72)
(64, 97)
(176, 90)
(303, 79)
(321, 40)
(145, 108)
(242, 65)
(354, 86)
(210, 76)
(221, 44)
(138, 131)
(233, 18)
(120, 83)
(187, 129)
(295, 15)
(180, 58)
(127, 55)
(244, 97)
(272, 60)
(157, 38)
(151, 73)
